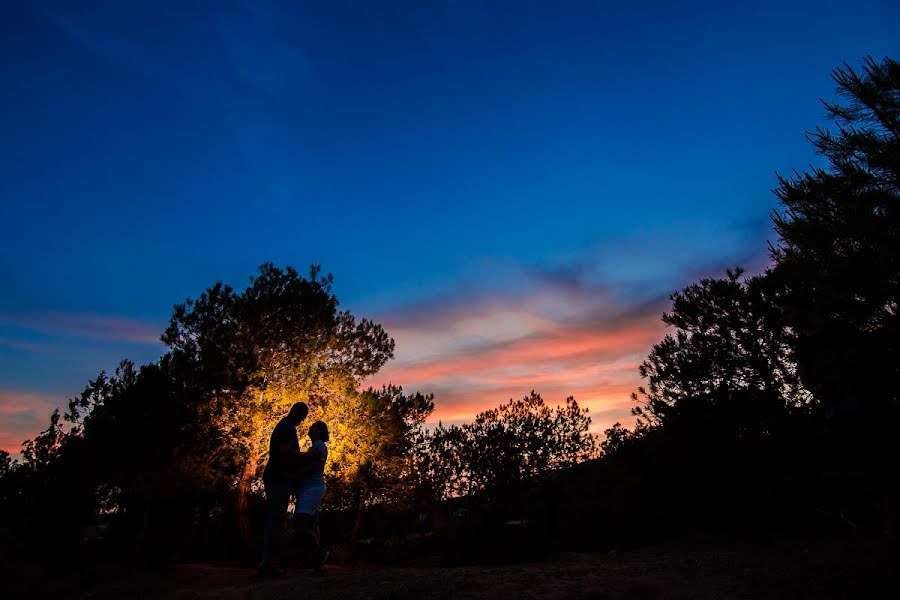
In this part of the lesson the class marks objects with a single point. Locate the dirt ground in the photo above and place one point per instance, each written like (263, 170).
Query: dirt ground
(696, 567)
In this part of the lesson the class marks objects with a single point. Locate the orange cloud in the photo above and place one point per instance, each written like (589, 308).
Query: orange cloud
(607, 403)
(478, 358)
(535, 353)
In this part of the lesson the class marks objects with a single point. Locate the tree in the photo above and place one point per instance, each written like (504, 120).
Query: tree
(838, 257)
(6, 463)
(720, 419)
(616, 439)
(729, 339)
(147, 451)
(373, 435)
(41, 451)
(257, 352)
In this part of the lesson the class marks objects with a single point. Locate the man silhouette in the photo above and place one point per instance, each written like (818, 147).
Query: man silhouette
(279, 478)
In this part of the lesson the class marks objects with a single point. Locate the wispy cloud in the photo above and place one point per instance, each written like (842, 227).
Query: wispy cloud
(17, 344)
(80, 325)
(58, 340)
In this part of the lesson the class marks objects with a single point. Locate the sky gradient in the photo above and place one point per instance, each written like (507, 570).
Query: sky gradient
(512, 189)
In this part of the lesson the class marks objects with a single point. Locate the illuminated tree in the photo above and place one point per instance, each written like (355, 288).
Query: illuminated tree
(373, 433)
(257, 352)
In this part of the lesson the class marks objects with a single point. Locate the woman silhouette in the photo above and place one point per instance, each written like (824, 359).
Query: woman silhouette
(310, 491)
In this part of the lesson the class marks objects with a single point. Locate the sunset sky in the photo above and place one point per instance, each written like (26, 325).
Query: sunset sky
(512, 189)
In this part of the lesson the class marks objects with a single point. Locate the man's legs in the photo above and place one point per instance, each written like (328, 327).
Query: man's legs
(278, 494)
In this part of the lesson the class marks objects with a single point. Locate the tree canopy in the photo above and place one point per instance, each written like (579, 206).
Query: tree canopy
(729, 337)
(514, 443)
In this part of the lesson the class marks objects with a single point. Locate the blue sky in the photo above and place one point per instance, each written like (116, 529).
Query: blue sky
(482, 177)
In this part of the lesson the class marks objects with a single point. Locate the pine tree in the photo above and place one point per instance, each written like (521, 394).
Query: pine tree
(838, 259)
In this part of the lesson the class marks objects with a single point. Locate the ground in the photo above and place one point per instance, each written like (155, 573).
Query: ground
(749, 566)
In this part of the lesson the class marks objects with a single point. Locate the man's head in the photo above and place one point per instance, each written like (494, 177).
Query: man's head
(298, 412)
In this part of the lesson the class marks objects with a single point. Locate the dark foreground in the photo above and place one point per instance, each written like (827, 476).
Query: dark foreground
(706, 566)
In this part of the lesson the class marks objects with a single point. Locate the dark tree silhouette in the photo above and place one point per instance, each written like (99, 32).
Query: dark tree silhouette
(615, 439)
(146, 450)
(737, 393)
(838, 257)
(513, 443)
(729, 338)
(6, 463)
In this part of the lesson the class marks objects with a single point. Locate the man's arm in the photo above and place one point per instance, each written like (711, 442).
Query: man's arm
(290, 451)
(304, 459)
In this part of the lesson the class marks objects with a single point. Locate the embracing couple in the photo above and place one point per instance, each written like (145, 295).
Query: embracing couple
(290, 471)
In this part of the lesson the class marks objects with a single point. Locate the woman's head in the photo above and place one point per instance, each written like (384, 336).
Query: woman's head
(318, 431)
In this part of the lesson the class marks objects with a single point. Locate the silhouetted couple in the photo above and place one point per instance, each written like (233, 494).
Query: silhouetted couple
(290, 471)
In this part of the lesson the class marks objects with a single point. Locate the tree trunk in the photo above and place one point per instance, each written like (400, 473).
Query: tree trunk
(248, 543)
